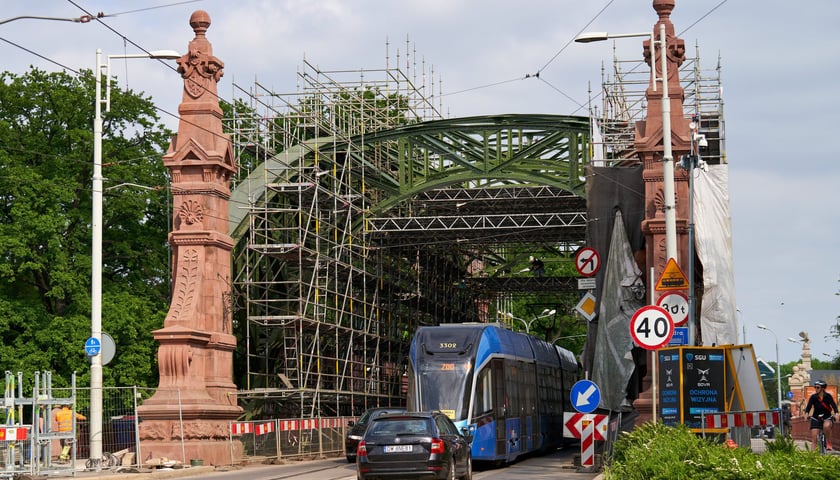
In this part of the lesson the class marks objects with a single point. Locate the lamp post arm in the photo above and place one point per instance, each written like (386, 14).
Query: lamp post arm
(82, 19)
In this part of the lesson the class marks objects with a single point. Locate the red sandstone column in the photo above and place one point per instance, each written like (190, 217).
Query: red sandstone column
(648, 143)
(195, 358)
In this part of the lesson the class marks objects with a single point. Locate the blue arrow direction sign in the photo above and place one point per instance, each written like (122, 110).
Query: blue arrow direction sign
(92, 346)
(585, 396)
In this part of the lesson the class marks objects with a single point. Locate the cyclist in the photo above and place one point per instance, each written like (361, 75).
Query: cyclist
(823, 409)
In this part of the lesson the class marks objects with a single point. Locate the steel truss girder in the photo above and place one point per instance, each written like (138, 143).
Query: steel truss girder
(478, 222)
(525, 150)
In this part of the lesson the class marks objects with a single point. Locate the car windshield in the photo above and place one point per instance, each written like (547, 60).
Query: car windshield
(401, 426)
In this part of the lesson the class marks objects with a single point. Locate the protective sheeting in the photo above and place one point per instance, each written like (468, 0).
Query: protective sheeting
(610, 190)
(713, 242)
(623, 293)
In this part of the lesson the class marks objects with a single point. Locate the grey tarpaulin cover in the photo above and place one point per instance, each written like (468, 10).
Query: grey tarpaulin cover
(713, 240)
(609, 190)
(622, 294)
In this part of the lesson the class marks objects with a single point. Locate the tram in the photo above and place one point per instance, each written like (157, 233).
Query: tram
(509, 389)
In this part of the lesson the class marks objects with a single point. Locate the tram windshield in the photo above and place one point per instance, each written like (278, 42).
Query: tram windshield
(444, 386)
(444, 369)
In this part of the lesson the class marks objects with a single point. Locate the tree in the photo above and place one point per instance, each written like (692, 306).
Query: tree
(46, 151)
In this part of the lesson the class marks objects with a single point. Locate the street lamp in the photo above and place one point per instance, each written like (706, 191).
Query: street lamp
(667, 152)
(96, 249)
(82, 19)
(545, 313)
(564, 337)
(778, 368)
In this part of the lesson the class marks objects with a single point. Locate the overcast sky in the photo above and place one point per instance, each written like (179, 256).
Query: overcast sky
(780, 69)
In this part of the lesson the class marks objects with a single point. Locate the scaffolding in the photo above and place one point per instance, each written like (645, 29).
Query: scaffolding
(624, 103)
(328, 311)
(338, 260)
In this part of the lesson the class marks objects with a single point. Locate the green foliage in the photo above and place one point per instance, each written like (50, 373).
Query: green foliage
(46, 152)
(657, 452)
(781, 445)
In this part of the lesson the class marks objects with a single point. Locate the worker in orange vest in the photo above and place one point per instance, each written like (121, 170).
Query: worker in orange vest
(64, 419)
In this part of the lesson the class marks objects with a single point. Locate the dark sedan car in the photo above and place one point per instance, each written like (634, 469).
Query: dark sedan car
(357, 430)
(414, 445)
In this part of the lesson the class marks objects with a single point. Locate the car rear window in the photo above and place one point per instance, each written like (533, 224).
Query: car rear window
(401, 426)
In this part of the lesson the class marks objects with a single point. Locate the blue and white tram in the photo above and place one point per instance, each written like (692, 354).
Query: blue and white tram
(509, 388)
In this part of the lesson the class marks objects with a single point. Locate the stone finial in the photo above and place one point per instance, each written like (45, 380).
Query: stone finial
(199, 68)
(664, 7)
(200, 22)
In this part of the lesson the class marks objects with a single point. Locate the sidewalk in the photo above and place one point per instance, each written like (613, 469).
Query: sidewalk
(122, 473)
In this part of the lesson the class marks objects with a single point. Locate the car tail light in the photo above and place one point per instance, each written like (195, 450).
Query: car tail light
(361, 450)
(438, 446)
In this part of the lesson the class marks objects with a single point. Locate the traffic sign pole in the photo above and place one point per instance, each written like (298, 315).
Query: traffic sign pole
(652, 328)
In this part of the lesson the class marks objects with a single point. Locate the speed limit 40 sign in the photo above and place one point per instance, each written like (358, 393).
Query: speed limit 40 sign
(651, 327)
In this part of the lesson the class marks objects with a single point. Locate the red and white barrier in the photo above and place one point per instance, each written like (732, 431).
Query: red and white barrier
(262, 428)
(14, 434)
(743, 419)
(241, 428)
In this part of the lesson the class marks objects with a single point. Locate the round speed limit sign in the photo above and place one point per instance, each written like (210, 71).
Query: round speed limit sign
(651, 327)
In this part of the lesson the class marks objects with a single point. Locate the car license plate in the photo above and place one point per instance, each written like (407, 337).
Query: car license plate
(397, 448)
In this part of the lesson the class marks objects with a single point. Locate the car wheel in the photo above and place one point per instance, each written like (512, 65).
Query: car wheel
(468, 470)
(351, 459)
(451, 475)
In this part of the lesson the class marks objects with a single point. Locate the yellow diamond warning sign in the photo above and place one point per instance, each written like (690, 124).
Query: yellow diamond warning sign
(672, 277)
(586, 306)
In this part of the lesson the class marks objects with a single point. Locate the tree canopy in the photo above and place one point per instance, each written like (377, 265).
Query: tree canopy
(46, 165)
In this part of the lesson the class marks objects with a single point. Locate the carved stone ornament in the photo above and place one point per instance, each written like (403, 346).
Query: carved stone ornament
(199, 67)
(191, 212)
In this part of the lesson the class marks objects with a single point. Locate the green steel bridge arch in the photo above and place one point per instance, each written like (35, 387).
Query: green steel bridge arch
(390, 167)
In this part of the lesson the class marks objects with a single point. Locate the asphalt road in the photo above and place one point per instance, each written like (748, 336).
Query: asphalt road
(558, 465)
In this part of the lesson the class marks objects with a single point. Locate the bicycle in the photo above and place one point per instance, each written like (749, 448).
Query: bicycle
(820, 435)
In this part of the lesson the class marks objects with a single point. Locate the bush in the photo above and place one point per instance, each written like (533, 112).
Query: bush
(656, 452)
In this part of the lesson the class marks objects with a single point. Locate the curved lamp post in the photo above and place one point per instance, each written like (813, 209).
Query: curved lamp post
(96, 241)
(545, 313)
(778, 369)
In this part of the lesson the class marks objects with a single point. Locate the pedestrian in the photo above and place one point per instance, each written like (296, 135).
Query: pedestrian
(537, 266)
(64, 419)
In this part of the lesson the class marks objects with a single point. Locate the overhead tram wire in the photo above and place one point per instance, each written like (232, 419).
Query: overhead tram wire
(98, 17)
(153, 8)
(78, 73)
(537, 74)
(582, 29)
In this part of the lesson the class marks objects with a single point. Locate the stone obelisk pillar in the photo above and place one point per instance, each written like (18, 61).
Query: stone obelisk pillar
(190, 412)
(648, 142)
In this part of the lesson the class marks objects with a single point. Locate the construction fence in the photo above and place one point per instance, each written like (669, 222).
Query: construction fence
(60, 451)
(289, 438)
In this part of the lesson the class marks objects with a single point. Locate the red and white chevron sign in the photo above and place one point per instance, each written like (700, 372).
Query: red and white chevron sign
(573, 424)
